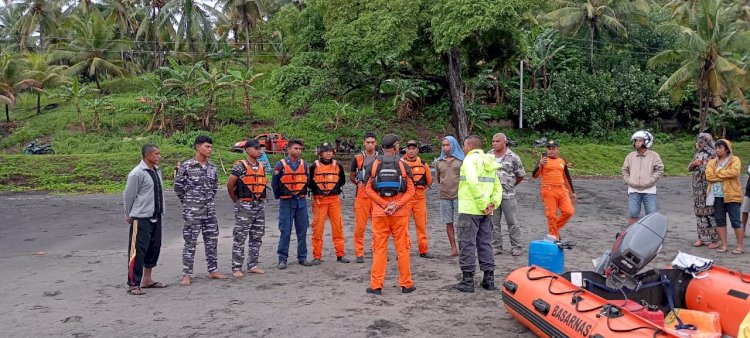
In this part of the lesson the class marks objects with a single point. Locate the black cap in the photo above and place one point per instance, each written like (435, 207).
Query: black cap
(251, 143)
(552, 144)
(389, 141)
(410, 143)
(325, 146)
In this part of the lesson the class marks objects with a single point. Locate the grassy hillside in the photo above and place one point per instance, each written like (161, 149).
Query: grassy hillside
(99, 161)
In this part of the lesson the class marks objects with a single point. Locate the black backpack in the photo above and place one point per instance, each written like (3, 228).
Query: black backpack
(389, 179)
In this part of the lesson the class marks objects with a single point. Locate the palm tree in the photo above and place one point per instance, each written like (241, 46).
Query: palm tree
(154, 28)
(248, 13)
(10, 71)
(75, 93)
(542, 55)
(158, 100)
(38, 16)
(705, 48)
(9, 37)
(595, 15)
(122, 13)
(94, 51)
(193, 21)
(41, 75)
(245, 80)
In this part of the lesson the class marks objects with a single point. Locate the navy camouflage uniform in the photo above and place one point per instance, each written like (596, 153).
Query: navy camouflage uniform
(196, 186)
(249, 219)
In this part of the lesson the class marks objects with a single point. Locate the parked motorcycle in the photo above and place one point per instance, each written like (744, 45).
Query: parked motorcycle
(38, 149)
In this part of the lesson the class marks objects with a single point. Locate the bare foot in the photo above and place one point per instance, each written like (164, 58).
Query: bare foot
(216, 275)
(238, 274)
(185, 281)
(256, 270)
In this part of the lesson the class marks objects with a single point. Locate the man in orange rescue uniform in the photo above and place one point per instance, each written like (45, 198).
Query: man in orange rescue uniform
(418, 205)
(390, 188)
(326, 179)
(557, 188)
(362, 204)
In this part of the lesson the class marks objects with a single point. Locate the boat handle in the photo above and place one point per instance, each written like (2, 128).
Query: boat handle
(541, 306)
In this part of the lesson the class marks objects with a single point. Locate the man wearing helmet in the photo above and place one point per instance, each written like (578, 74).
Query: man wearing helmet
(641, 169)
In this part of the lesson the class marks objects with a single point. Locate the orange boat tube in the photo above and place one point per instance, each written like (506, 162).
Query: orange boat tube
(551, 306)
(724, 291)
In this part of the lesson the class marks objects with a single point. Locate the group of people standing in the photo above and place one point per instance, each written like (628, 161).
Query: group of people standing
(476, 190)
(718, 195)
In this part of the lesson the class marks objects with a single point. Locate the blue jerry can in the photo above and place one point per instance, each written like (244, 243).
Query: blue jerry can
(547, 255)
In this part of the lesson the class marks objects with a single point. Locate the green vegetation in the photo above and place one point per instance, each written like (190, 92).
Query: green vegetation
(98, 78)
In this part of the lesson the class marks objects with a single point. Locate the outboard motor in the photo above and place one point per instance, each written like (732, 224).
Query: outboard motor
(634, 248)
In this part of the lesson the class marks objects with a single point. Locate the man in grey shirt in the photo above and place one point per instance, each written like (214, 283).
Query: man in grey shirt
(144, 204)
(511, 174)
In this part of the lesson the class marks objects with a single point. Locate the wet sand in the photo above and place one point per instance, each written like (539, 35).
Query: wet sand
(77, 288)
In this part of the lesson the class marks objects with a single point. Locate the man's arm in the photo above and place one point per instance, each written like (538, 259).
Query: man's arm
(428, 174)
(437, 171)
(310, 179)
(278, 170)
(179, 182)
(518, 170)
(231, 187)
(342, 177)
(353, 171)
(128, 196)
(658, 167)
(625, 171)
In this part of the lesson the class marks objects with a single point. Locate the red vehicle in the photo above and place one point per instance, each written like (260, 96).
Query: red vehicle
(270, 142)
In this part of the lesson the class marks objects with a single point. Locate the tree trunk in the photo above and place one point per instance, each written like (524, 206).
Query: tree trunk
(246, 101)
(246, 23)
(7, 114)
(98, 84)
(591, 48)
(80, 117)
(38, 103)
(455, 83)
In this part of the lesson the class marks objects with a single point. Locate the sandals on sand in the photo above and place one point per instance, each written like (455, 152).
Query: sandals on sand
(154, 285)
(698, 243)
(721, 250)
(738, 251)
(715, 245)
(135, 291)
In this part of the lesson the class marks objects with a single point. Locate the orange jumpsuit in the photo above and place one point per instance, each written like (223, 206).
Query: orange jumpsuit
(418, 205)
(362, 208)
(325, 183)
(555, 189)
(383, 226)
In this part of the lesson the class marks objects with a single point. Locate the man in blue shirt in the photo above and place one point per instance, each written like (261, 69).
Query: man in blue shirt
(289, 184)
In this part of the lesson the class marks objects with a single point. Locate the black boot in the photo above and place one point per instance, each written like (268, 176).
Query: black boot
(467, 283)
(488, 282)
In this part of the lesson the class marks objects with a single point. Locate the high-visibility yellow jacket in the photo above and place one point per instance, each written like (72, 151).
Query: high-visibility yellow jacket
(478, 185)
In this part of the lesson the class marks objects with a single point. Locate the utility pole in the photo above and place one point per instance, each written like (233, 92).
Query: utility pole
(520, 116)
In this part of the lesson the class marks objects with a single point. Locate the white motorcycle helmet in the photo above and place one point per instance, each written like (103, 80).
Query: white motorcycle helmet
(648, 139)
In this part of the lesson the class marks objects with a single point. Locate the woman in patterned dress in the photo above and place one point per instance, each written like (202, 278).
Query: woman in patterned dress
(704, 150)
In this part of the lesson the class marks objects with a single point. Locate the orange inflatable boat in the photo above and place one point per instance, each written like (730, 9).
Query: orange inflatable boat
(552, 306)
(723, 291)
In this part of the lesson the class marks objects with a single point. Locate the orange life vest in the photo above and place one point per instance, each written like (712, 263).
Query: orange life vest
(326, 176)
(293, 182)
(253, 185)
(418, 171)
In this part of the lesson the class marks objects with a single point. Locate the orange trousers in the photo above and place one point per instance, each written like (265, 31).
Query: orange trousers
(418, 209)
(362, 212)
(383, 228)
(556, 197)
(323, 208)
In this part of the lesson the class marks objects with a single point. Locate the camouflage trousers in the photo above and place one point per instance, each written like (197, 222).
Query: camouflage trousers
(190, 232)
(249, 219)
